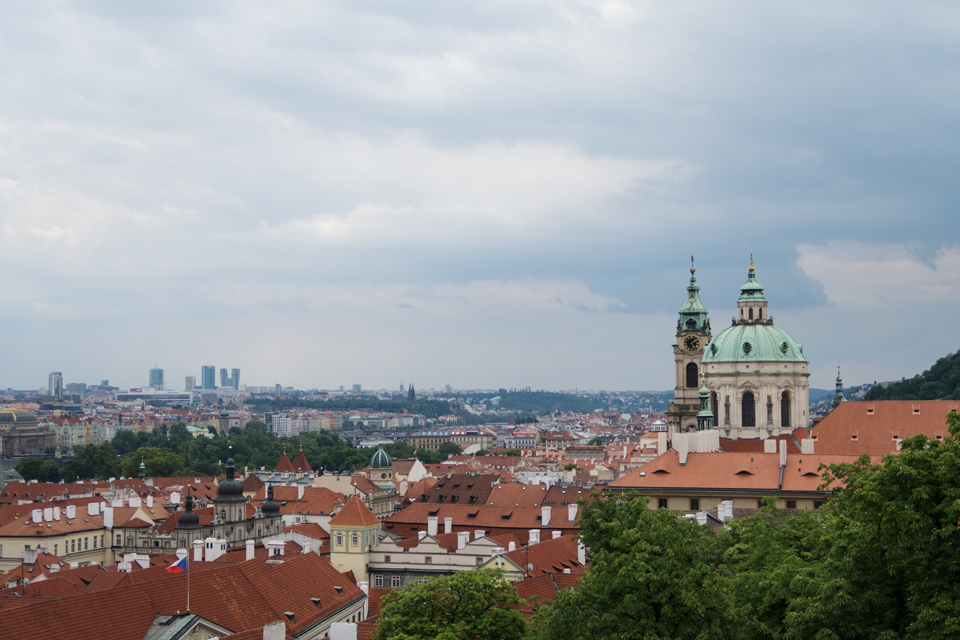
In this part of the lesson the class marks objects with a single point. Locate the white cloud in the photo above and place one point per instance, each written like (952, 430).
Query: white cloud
(887, 275)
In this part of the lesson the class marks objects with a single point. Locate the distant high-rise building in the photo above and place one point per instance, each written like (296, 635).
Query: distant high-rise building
(402, 389)
(55, 384)
(235, 378)
(156, 378)
(224, 378)
(208, 377)
(190, 383)
(356, 389)
(232, 381)
(277, 391)
(448, 389)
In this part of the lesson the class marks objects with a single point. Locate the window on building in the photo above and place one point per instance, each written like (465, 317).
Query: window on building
(661, 503)
(395, 581)
(785, 409)
(428, 559)
(386, 558)
(817, 504)
(748, 411)
(692, 375)
(119, 541)
(339, 538)
(694, 504)
(354, 539)
(791, 504)
(73, 546)
(714, 407)
(86, 542)
(378, 580)
(479, 560)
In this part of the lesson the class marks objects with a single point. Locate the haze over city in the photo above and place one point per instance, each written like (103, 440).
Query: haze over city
(485, 194)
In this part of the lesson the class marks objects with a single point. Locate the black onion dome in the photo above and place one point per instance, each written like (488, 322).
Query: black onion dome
(230, 489)
(189, 519)
(270, 507)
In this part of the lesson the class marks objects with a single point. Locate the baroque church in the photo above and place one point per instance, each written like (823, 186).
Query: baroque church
(749, 381)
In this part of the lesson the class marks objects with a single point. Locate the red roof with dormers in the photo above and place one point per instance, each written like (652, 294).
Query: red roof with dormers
(354, 514)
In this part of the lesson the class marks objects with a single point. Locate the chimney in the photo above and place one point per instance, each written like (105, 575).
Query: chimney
(512, 546)
(498, 551)
(556, 534)
(116, 504)
(300, 489)
(250, 550)
(209, 550)
(421, 535)
(545, 517)
(479, 533)
(125, 567)
(432, 522)
(71, 511)
(572, 513)
(806, 446)
(534, 537)
(182, 553)
(149, 502)
(108, 517)
(134, 502)
(48, 514)
(581, 554)
(725, 510)
(30, 556)
(274, 631)
(448, 525)
(463, 537)
(37, 516)
(701, 517)
(175, 498)
(770, 446)
(198, 550)
(56, 514)
(365, 587)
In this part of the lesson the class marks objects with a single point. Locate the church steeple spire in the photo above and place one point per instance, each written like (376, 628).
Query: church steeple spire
(838, 397)
(693, 315)
(752, 305)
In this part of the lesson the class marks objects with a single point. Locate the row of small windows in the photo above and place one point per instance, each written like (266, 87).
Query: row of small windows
(695, 504)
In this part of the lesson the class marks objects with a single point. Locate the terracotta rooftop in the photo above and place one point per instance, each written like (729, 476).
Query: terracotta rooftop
(549, 556)
(284, 464)
(300, 464)
(354, 513)
(858, 427)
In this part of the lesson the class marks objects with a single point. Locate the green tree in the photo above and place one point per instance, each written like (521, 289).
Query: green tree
(448, 449)
(571, 466)
(157, 462)
(891, 566)
(653, 575)
(49, 471)
(94, 461)
(468, 605)
(30, 468)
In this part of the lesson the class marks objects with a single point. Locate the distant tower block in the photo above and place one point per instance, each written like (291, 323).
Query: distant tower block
(55, 384)
(156, 378)
(190, 383)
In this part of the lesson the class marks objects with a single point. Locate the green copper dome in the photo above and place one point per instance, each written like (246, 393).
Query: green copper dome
(753, 343)
(381, 459)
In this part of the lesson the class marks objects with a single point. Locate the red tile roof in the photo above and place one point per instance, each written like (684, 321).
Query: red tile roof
(300, 464)
(549, 556)
(854, 428)
(284, 464)
(354, 513)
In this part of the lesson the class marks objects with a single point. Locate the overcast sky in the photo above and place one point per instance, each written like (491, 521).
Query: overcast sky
(486, 194)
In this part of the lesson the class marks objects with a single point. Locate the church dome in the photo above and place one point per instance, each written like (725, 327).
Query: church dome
(753, 343)
(381, 459)
(189, 519)
(230, 489)
(270, 508)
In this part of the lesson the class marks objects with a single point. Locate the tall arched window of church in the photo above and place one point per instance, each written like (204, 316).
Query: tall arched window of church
(785, 409)
(750, 313)
(692, 375)
(748, 411)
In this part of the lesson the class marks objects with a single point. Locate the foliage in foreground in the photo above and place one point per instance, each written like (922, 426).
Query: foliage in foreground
(468, 605)
(882, 560)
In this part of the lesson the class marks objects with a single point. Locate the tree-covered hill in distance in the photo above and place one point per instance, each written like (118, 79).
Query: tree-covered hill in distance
(939, 382)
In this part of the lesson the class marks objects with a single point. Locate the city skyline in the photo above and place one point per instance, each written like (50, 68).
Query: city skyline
(486, 195)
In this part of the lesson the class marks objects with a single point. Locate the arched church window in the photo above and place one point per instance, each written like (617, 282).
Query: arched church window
(760, 313)
(692, 375)
(750, 314)
(785, 409)
(748, 411)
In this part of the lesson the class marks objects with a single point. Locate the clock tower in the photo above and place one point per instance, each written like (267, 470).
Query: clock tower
(693, 335)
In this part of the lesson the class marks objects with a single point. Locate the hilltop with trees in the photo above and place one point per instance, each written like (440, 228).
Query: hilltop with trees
(939, 382)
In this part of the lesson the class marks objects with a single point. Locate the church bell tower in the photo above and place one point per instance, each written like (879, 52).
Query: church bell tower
(693, 335)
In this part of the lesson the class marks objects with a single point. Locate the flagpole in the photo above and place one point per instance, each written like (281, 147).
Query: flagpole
(188, 581)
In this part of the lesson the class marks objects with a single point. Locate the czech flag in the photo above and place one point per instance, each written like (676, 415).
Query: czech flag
(180, 566)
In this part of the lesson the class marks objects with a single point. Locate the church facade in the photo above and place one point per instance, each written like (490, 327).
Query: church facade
(755, 374)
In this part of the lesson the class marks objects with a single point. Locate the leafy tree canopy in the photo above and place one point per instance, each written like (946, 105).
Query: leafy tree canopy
(940, 382)
(468, 605)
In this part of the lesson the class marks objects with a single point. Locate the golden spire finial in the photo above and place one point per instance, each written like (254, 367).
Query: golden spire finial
(692, 270)
(751, 259)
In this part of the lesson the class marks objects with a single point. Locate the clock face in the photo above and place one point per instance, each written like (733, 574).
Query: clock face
(692, 343)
